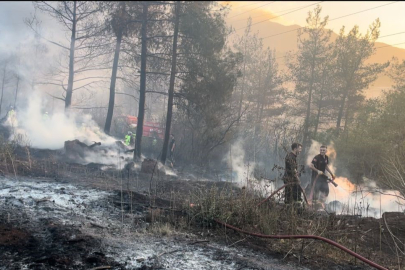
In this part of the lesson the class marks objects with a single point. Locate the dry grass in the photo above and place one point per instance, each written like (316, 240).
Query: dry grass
(238, 207)
(162, 229)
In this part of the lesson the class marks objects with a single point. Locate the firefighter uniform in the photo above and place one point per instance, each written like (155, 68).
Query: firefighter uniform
(321, 184)
(127, 139)
(292, 192)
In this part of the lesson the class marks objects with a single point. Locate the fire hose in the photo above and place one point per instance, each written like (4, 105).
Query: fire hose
(303, 192)
(371, 263)
(354, 254)
(275, 192)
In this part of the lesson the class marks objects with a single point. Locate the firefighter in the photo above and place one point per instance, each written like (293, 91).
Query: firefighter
(319, 181)
(11, 112)
(154, 142)
(127, 141)
(292, 192)
(11, 115)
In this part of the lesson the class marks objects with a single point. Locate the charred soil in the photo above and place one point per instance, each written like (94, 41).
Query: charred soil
(159, 204)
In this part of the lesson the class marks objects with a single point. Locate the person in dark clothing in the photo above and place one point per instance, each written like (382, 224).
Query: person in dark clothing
(172, 146)
(319, 181)
(292, 192)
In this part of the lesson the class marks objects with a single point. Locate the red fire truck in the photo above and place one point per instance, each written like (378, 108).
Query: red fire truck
(150, 129)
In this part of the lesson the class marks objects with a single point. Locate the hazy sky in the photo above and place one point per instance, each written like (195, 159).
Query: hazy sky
(391, 16)
(13, 30)
(12, 14)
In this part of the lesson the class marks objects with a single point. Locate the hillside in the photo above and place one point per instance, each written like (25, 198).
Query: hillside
(288, 42)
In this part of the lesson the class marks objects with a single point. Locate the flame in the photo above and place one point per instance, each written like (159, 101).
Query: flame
(364, 199)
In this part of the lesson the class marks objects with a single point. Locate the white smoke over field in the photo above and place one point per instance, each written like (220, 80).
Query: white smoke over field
(47, 131)
(242, 173)
(43, 130)
(364, 198)
(236, 162)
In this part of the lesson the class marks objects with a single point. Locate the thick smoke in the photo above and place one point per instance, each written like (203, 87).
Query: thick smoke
(50, 131)
(36, 127)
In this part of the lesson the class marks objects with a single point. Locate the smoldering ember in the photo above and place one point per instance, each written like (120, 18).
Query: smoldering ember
(202, 135)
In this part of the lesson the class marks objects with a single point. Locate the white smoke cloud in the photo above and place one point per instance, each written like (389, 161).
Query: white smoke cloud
(40, 131)
(365, 198)
(50, 131)
(243, 173)
(236, 162)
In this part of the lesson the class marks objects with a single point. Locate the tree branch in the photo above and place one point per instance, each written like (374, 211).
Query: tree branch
(56, 97)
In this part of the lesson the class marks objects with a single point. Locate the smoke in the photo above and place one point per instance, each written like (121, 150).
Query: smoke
(50, 131)
(40, 129)
(236, 162)
(365, 198)
(242, 173)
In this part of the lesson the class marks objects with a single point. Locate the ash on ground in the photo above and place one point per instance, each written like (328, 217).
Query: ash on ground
(48, 225)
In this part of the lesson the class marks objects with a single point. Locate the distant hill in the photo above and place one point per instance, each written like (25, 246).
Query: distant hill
(288, 42)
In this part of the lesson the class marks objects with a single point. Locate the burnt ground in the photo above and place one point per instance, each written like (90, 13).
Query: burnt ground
(48, 225)
(50, 246)
(127, 228)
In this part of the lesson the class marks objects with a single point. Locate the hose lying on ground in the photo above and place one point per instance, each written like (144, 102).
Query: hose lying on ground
(373, 264)
(302, 236)
(275, 192)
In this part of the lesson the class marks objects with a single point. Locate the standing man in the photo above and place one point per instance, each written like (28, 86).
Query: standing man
(319, 181)
(154, 145)
(292, 192)
(11, 116)
(172, 145)
(127, 141)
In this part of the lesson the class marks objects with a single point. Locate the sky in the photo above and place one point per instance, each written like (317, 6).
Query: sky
(391, 15)
(13, 30)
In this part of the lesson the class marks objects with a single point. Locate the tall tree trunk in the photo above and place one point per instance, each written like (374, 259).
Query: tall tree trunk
(242, 91)
(308, 114)
(171, 86)
(347, 114)
(112, 84)
(2, 86)
(318, 115)
(258, 118)
(243, 85)
(16, 90)
(341, 108)
(69, 91)
(142, 88)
